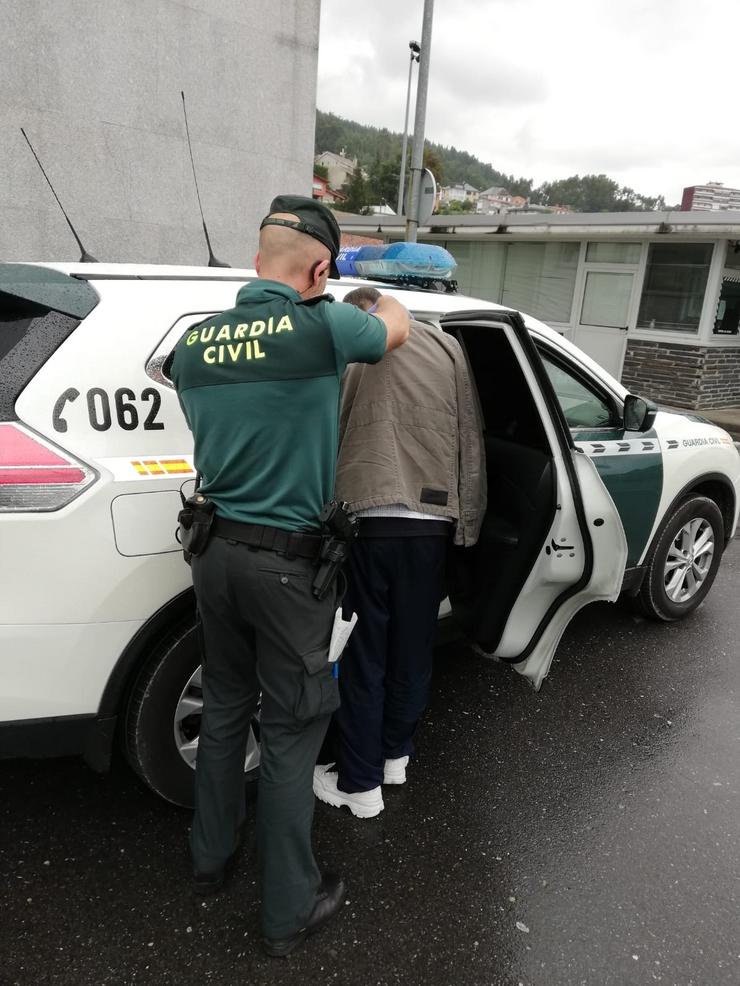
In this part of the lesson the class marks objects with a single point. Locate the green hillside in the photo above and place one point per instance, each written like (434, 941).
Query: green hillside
(370, 144)
(379, 154)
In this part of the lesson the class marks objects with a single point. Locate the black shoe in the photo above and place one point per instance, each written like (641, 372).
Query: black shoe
(206, 884)
(329, 899)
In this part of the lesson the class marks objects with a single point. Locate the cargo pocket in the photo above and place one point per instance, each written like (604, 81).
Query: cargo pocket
(319, 692)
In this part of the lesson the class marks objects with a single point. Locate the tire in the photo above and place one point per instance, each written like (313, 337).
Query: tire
(162, 719)
(684, 560)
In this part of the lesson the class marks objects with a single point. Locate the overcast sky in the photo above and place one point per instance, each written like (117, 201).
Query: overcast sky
(645, 91)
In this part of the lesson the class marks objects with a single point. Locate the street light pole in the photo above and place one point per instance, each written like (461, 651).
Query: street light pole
(414, 46)
(417, 154)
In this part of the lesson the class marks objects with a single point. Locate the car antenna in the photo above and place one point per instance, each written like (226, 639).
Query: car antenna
(85, 258)
(212, 261)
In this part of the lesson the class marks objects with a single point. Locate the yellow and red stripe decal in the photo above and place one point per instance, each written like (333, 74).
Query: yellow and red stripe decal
(162, 467)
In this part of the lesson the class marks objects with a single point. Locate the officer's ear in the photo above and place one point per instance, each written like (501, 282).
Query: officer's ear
(257, 261)
(318, 270)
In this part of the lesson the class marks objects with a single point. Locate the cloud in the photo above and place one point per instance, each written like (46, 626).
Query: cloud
(497, 79)
(645, 92)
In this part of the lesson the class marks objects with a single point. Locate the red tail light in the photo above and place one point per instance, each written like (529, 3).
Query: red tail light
(36, 475)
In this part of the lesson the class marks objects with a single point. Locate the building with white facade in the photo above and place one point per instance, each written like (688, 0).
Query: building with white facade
(339, 168)
(496, 199)
(462, 192)
(652, 297)
(712, 196)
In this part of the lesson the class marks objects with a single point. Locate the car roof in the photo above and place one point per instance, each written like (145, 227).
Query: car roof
(420, 302)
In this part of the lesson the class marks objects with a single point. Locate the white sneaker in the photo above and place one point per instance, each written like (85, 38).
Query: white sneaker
(394, 771)
(363, 804)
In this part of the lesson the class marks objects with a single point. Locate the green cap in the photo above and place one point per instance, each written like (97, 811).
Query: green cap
(313, 218)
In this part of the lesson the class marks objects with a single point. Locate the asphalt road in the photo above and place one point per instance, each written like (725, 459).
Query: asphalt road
(587, 834)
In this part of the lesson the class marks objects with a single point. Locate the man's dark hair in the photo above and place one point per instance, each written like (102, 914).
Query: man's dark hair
(360, 297)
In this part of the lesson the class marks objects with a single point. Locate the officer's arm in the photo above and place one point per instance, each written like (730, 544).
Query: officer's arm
(396, 320)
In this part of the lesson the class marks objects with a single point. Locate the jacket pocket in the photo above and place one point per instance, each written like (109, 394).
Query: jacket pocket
(318, 694)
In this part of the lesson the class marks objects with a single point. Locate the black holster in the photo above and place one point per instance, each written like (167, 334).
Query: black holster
(340, 529)
(194, 520)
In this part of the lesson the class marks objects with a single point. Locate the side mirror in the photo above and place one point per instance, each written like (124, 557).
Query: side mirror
(639, 413)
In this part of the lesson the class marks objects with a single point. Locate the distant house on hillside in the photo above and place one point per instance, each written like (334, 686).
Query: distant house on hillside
(493, 199)
(462, 192)
(339, 168)
(323, 192)
(497, 199)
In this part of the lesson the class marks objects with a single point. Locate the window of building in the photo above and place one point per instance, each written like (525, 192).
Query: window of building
(606, 298)
(613, 253)
(480, 268)
(674, 286)
(732, 261)
(536, 278)
(727, 317)
(540, 279)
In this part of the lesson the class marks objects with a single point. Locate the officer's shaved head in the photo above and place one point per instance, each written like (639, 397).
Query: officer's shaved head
(288, 255)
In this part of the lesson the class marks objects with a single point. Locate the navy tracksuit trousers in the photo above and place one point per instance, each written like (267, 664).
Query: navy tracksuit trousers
(395, 587)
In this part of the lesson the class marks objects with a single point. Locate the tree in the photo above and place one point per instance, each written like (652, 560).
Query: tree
(520, 186)
(450, 166)
(592, 193)
(330, 132)
(595, 193)
(641, 203)
(433, 161)
(321, 170)
(383, 182)
(456, 206)
(356, 190)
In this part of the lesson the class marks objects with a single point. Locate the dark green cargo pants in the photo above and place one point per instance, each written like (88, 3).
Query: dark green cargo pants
(263, 631)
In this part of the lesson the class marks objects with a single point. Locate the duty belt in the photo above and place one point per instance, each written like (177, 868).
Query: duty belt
(292, 544)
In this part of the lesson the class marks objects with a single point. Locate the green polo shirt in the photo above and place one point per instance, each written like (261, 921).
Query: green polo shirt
(260, 387)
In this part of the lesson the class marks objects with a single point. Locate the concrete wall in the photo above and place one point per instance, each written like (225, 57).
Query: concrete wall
(96, 85)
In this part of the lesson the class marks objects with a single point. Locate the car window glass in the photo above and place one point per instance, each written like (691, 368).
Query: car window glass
(582, 407)
(39, 309)
(159, 364)
(49, 289)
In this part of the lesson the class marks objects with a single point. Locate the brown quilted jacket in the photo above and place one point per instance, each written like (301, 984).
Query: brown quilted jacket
(410, 433)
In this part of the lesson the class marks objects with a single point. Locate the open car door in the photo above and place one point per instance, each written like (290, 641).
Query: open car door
(552, 539)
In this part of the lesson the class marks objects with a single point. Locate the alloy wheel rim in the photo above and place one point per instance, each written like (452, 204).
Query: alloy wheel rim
(188, 714)
(689, 560)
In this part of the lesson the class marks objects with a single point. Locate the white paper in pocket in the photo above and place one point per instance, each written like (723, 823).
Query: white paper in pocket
(340, 634)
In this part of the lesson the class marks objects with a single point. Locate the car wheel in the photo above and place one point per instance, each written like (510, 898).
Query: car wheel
(684, 560)
(162, 720)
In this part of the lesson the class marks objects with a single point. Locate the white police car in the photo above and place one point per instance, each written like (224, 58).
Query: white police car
(591, 492)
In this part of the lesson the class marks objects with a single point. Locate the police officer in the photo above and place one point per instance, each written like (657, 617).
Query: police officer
(259, 386)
